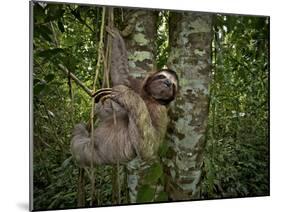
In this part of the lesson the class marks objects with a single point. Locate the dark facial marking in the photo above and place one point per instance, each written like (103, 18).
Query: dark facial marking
(160, 76)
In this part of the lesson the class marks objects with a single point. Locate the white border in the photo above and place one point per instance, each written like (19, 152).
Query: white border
(14, 111)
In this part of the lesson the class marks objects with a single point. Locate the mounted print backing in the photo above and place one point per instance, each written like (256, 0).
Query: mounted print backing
(136, 105)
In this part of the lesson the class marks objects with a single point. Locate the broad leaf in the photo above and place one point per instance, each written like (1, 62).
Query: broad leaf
(145, 194)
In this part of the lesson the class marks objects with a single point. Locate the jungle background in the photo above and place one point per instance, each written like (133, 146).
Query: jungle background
(222, 108)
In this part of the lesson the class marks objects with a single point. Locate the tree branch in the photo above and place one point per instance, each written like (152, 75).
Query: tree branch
(76, 80)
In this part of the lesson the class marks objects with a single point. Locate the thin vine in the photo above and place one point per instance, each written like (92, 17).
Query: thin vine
(98, 66)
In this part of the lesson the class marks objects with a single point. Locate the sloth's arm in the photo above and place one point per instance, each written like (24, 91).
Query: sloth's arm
(119, 69)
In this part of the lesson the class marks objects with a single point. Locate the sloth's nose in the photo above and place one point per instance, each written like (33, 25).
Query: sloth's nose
(167, 82)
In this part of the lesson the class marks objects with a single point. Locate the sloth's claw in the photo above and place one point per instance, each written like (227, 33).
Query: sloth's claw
(100, 94)
(105, 97)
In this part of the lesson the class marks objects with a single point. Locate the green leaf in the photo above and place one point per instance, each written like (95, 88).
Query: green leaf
(60, 25)
(44, 32)
(66, 162)
(49, 52)
(162, 197)
(70, 61)
(50, 113)
(77, 15)
(49, 77)
(39, 14)
(145, 194)
(36, 81)
(55, 12)
(38, 88)
(153, 174)
(163, 149)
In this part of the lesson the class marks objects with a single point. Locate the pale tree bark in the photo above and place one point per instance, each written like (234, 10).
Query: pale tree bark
(139, 34)
(190, 56)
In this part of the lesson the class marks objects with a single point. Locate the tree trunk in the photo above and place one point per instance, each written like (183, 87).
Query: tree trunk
(139, 35)
(190, 37)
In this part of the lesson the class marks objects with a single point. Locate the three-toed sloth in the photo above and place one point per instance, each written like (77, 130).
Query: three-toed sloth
(133, 115)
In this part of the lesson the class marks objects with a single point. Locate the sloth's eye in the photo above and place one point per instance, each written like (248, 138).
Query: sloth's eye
(160, 77)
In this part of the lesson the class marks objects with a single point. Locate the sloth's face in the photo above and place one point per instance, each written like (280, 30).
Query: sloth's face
(163, 86)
